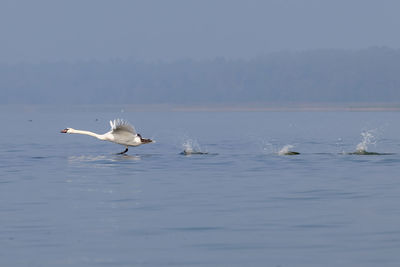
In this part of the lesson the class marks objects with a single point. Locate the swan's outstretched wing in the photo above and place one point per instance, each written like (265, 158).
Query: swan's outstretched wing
(118, 126)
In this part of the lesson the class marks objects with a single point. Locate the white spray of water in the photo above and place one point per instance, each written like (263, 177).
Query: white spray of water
(191, 146)
(367, 139)
(285, 150)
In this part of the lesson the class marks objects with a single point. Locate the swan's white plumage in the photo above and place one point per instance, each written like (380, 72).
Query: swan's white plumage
(121, 133)
(121, 125)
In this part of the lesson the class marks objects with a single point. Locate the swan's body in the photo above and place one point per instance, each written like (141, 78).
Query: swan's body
(121, 133)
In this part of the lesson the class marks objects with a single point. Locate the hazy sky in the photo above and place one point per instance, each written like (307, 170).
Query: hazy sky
(50, 30)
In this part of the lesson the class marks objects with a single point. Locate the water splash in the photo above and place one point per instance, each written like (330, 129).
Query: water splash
(367, 139)
(286, 150)
(191, 147)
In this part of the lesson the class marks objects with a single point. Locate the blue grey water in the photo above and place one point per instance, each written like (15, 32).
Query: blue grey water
(68, 200)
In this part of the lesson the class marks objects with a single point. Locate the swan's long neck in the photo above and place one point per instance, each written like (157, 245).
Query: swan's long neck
(98, 136)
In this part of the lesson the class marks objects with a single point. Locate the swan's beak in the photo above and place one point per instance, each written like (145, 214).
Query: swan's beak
(64, 131)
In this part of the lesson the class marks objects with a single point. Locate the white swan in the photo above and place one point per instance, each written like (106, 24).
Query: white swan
(121, 133)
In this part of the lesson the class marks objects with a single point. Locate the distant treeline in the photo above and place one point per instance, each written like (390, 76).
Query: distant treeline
(334, 76)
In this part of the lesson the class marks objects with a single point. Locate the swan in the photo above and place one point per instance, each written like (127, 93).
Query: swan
(121, 133)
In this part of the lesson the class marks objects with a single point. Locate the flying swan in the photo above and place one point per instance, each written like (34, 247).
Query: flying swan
(121, 133)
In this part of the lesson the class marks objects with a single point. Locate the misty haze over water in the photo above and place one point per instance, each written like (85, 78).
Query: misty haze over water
(319, 76)
(221, 52)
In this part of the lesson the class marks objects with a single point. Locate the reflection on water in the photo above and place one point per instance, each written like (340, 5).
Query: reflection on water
(103, 158)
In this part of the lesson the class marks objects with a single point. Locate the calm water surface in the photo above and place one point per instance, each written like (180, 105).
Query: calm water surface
(67, 200)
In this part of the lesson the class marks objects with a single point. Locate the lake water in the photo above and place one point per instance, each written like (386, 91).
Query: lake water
(68, 200)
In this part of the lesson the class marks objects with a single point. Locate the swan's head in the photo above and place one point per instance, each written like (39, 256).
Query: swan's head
(67, 130)
(144, 140)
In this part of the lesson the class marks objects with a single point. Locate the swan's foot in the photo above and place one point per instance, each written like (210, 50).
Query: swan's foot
(123, 152)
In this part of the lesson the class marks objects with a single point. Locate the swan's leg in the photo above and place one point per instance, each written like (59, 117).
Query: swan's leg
(123, 152)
